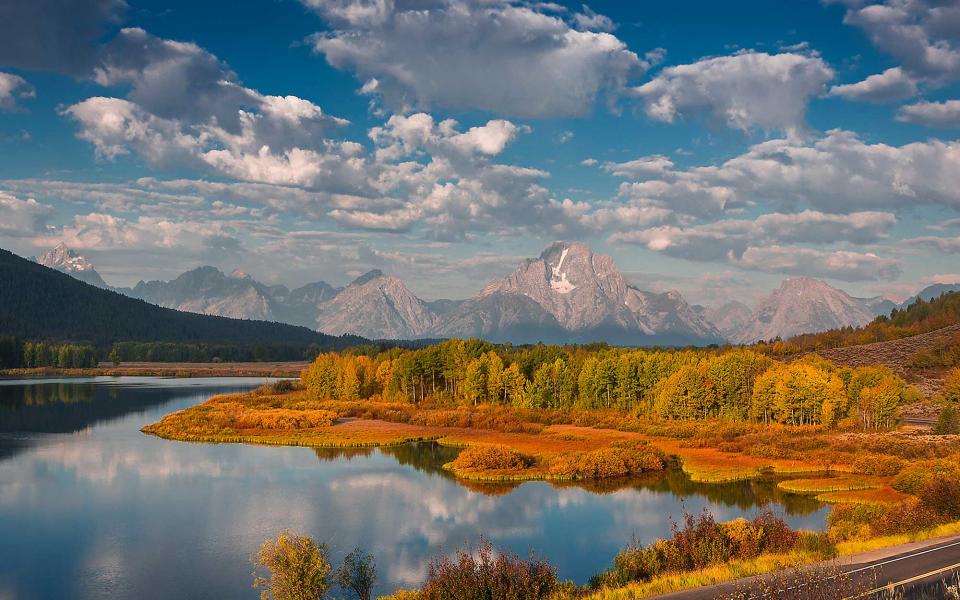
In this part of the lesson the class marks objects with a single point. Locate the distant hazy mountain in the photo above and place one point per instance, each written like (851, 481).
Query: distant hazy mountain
(575, 295)
(37, 302)
(207, 290)
(805, 305)
(733, 319)
(67, 261)
(566, 295)
(933, 291)
(380, 306)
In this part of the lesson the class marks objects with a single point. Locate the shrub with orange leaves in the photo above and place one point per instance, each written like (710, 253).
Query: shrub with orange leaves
(490, 458)
(616, 461)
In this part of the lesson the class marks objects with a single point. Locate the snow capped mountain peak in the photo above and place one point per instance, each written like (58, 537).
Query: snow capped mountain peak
(590, 298)
(558, 280)
(238, 274)
(68, 261)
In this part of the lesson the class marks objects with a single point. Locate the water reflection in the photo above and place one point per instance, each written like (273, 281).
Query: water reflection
(429, 457)
(115, 513)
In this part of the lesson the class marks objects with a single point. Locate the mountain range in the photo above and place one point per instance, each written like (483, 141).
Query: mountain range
(37, 302)
(568, 294)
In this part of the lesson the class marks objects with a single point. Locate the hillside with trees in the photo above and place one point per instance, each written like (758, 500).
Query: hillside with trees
(41, 304)
(921, 316)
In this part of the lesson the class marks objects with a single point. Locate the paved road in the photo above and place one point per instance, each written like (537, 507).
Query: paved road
(902, 567)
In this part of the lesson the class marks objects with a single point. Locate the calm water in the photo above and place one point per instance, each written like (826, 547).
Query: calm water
(92, 508)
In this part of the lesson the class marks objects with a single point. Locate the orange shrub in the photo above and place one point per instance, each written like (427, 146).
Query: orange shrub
(878, 464)
(490, 458)
(616, 461)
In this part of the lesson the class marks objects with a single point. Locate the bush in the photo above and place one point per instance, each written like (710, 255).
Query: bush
(862, 521)
(608, 462)
(948, 423)
(951, 385)
(942, 496)
(477, 573)
(490, 458)
(699, 543)
(878, 464)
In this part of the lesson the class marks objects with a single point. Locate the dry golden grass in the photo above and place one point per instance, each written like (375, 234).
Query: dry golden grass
(819, 485)
(884, 494)
(710, 465)
(709, 576)
(852, 547)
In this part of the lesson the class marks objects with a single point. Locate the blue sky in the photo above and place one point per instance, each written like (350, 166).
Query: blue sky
(710, 147)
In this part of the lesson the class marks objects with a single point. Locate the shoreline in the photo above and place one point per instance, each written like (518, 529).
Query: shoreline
(161, 369)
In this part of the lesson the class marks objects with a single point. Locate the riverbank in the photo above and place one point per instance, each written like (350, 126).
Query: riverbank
(548, 445)
(163, 369)
(875, 479)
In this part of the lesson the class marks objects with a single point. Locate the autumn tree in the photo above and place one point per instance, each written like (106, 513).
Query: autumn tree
(357, 574)
(298, 568)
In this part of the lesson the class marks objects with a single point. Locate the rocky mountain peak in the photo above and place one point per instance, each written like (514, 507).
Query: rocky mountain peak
(64, 259)
(805, 305)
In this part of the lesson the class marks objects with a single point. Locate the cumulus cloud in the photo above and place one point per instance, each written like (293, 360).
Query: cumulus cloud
(512, 59)
(744, 91)
(889, 86)
(405, 135)
(52, 35)
(922, 35)
(730, 239)
(12, 88)
(839, 264)
(22, 218)
(932, 114)
(946, 245)
(837, 172)
(588, 20)
(640, 167)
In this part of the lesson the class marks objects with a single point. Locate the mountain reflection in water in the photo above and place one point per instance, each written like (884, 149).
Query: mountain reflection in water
(116, 513)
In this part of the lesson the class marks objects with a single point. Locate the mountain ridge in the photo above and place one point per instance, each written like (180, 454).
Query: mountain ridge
(568, 294)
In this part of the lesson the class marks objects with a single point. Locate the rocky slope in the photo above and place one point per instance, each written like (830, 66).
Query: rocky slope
(571, 294)
(67, 261)
(804, 305)
(378, 305)
(732, 318)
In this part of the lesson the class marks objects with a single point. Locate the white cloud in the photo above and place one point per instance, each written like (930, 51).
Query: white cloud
(511, 59)
(838, 264)
(889, 86)
(13, 88)
(640, 167)
(838, 172)
(922, 35)
(932, 114)
(404, 135)
(22, 218)
(744, 91)
(729, 240)
(945, 245)
(588, 20)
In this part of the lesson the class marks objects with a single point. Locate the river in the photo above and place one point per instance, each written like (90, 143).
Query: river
(90, 507)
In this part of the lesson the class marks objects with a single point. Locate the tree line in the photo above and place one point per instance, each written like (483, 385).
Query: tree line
(15, 353)
(731, 383)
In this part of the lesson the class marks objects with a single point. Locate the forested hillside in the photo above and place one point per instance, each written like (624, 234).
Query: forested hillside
(919, 317)
(38, 303)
